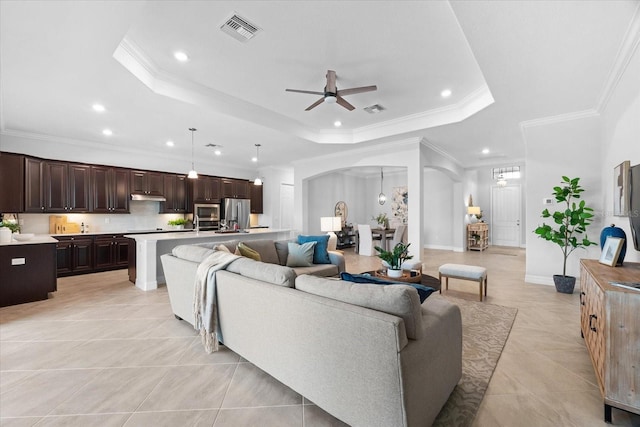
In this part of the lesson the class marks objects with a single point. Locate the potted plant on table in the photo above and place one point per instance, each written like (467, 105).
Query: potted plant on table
(394, 259)
(570, 223)
(382, 220)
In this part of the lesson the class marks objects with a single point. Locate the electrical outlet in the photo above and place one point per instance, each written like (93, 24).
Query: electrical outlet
(107, 220)
(547, 201)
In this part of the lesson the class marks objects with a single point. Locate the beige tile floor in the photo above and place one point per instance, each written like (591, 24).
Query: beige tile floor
(102, 353)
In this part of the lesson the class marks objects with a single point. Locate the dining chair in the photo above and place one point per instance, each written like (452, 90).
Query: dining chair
(400, 235)
(365, 240)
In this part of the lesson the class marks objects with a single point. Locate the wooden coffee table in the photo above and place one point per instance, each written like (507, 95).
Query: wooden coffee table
(409, 276)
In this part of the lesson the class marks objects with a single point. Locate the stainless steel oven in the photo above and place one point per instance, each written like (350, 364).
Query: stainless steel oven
(208, 215)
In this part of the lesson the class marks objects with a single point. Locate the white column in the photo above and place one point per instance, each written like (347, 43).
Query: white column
(146, 265)
(415, 176)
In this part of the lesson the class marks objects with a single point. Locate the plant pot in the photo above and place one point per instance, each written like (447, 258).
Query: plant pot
(564, 284)
(394, 273)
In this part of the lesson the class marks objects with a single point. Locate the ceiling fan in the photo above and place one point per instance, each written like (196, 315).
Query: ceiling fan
(331, 93)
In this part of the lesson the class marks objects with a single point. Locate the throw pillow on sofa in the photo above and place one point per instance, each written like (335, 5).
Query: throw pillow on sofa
(423, 291)
(247, 252)
(320, 253)
(300, 255)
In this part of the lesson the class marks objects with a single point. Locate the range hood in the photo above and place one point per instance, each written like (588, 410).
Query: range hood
(148, 197)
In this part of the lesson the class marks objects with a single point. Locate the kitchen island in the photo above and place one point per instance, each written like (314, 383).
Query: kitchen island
(145, 269)
(27, 270)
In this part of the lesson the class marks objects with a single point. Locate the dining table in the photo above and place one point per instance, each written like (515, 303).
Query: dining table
(384, 233)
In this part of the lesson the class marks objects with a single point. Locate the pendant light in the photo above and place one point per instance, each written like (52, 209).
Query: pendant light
(381, 197)
(258, 180)
(192, 173)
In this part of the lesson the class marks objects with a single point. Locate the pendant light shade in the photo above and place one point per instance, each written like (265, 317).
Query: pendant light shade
(258, 180)
(192, 173)
(381, 197)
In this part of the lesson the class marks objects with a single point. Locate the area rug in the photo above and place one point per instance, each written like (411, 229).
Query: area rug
(485, 329)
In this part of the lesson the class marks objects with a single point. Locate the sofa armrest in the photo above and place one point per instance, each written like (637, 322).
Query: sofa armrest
(337, 258)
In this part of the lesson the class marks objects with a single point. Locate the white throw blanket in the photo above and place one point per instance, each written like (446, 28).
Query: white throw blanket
(204, 298)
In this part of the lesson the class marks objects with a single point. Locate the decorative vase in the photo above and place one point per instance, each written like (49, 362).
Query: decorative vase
(564, 284)
(394, 273)
(614, 231)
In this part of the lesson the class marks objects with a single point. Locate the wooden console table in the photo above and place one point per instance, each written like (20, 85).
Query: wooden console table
(609, 320)
(477, 236)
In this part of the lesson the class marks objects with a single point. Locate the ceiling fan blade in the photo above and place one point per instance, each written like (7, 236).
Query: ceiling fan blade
(331, 81)
(341, 101)
(344, 92)
(315, 104)
(305, 91)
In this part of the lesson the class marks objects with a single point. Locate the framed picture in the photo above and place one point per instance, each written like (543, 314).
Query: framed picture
(342, 211)
(611, 250)
(621, 189)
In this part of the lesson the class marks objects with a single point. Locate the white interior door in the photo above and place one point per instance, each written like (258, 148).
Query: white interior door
(505, 215)
(286, 206)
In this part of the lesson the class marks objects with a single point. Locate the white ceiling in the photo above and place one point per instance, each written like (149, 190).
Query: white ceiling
(505, 62)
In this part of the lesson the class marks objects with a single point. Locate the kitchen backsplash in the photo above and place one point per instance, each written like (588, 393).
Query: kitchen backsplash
(143, 216)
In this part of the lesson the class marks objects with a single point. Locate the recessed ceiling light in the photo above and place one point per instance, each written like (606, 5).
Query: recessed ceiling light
(217, 152)
(485, 151)
(107, 132)
(254, 159)
(170, 144)
(445, 93)
(98, 107)
(337, 123)
(181, 56)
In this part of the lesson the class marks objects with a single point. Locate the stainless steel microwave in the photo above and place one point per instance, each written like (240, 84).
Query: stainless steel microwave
(207, 212)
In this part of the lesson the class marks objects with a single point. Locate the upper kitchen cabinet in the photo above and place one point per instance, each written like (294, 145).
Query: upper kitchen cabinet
(33, 185)
(175, 191)
(206, 189)
(67, 187)
(110, 189)
(256, 198)
(11, 182)
(147, 183)
(235, 188)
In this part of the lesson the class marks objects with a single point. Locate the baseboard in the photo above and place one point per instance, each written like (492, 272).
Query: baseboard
(438, 247)
(539, 280)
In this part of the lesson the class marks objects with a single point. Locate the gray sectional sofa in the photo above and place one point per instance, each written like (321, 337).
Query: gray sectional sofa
(370, 355)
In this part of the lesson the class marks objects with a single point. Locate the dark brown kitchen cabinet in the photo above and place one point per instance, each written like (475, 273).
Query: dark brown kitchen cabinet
(67, 187)
(256, 198)
(175, 191)
(234, 188)
(110, 189)
(11, 182)
(28, 272)
(33, 185)
(206, 189)
(147, 182)
(74, 255)
(111, 251)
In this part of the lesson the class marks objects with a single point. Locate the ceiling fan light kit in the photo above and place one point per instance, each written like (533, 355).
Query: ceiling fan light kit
(332, 95)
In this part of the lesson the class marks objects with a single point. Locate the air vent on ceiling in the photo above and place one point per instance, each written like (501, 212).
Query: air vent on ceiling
(373, 109)
(239, 28)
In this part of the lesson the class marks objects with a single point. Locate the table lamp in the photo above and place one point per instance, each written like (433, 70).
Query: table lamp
(473, 211)
(331, 224)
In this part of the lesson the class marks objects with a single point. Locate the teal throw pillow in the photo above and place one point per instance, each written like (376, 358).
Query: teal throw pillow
(320, 253)
(300, 255)
(423, 291)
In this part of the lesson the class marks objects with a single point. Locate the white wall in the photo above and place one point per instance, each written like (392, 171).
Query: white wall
(438, 210)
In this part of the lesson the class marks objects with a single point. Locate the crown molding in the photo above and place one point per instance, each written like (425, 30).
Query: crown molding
(543, 121)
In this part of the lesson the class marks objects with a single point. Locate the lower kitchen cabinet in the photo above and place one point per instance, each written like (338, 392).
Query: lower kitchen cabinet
(28, 272)
(111, 252)
(74, 255)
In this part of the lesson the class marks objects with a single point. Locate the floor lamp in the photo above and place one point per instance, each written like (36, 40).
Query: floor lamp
(331, 224)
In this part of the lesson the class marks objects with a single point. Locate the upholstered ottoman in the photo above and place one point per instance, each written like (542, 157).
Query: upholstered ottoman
(464, 272)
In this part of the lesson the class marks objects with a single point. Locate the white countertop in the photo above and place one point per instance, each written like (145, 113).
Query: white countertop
(36, 240)
(202, 234)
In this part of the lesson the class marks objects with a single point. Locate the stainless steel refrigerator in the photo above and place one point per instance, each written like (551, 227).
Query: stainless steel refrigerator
(235, 211)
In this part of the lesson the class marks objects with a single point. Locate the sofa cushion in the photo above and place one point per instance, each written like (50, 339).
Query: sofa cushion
(423, 291)
(400, 300)
(320, 270)
(266, 249)
(300, 255)
(282, 249)
(320, 254)
(192, 253)
(247, 252)
(270, 273)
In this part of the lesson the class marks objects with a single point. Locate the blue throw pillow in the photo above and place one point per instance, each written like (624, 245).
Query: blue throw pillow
(320, 253)
(423, 291)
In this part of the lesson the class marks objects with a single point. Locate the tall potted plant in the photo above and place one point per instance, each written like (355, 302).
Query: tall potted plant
(570, 223)
(395, 258)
